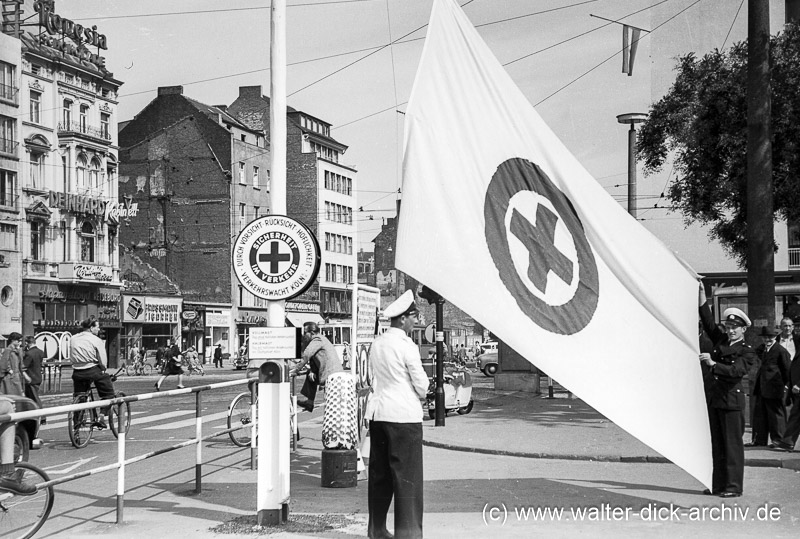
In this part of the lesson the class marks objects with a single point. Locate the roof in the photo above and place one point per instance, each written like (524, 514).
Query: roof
(215, 112)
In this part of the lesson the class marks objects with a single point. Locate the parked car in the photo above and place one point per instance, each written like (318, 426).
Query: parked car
(489, 346)
(27, 431)
(487, 362)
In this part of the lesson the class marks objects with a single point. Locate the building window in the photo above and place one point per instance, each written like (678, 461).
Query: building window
(112, 245)
(84, 112)
(242, 216)
(8, 143)
(8, 237)
(244, 138)
(37, 240)
(327, 241)
(87, 235)
(255, 177)
(81, 172)
(36, 107)
(269, 180)
(62, 230)
(94, 174)
(7, 181)
(242, 173)
(37, 170)
(256, 211)
(67, 114)
(105, 120)
(8, 83)
(36, 69)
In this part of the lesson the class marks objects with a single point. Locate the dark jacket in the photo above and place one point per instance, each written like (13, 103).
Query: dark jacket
(773, 375)
(218, 353)
(11, 381)
(32, 362)
(796, 341)
(733, 361)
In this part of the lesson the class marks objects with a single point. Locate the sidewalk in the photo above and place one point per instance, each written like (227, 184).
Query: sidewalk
(524, 425)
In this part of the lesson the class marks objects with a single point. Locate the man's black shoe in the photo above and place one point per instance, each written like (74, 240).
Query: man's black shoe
(707, 492)
(305, 405)
(13, 483)
(754, 444)
(100, 424)
(782, 447)
(729, 494)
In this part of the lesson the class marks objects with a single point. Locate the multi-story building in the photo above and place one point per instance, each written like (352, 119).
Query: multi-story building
(198, 176)
(321, 192)
(66, 193)
(10, 209)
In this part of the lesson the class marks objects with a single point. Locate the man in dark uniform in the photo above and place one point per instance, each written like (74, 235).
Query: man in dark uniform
(729, 362)
(793, 397)
(769, 412)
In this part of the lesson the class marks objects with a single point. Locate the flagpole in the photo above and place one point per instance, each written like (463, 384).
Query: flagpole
(272, 501)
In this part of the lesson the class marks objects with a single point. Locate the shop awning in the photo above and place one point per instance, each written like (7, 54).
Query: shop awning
(298, 319)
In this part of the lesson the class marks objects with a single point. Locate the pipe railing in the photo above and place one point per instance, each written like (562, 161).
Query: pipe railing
(122, 461)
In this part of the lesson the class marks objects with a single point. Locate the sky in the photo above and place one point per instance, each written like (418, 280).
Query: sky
(565, 61)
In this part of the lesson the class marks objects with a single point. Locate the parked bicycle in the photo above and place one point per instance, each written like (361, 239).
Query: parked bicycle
(240, 415)
(22, 516)
(138, 368)
(81, 423)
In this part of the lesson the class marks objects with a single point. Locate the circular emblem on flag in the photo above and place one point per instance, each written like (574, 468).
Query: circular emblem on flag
(276, 257)
(539, 248)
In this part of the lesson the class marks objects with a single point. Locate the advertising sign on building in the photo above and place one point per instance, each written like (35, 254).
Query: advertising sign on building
(151, 310)
(222, 319)
(366, 303)
(79, 271)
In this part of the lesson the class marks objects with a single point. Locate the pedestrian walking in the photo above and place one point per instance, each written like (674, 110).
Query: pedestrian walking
(728, 362)
(32, 365)
(321, 356)
(11, 380)
(173, 360)
(395, 428)
(218, 356)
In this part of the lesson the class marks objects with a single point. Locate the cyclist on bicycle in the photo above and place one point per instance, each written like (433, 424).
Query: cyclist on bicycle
(10, 480)
(87, 353)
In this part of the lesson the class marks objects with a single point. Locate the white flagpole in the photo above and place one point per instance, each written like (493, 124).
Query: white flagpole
(273, 405)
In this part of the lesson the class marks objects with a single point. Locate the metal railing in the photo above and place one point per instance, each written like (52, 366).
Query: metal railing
(84, 129)
(122, 461)
(794, 257)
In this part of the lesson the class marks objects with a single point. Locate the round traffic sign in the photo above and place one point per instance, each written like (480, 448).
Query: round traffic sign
(276, 257)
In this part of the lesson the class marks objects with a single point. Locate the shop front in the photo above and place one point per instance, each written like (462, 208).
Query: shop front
(217, 331)
(54, 309)
(150, 321)
(193, 328)
(247, 319)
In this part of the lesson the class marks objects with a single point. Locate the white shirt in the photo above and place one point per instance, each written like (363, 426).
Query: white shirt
(788, 344)
(399, 381)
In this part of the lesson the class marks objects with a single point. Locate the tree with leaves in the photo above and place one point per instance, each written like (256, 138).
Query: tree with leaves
(700, 125)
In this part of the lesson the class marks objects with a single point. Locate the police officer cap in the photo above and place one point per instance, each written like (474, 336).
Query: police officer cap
(736, 316)
(404, 305)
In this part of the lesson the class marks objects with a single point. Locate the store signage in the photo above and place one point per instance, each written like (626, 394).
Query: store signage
(189, 315)
(58, 295)
(218, 319)
(109, 210)
(77, 271)
(276, 257)
(298, 307)
(151, 310)
(59, 27)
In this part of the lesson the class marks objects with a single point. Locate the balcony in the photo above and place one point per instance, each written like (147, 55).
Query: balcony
(81, 129)
(9, 94)
(8, 147)
(794, 257)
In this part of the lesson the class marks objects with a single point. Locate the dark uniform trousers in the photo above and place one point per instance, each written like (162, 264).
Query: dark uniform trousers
(727, 449)
(792, 431)
(395, 469)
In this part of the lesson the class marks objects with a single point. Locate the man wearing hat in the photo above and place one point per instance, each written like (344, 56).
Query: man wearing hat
(729, 362)
(395, 428)
(11, 381)
(769, 412)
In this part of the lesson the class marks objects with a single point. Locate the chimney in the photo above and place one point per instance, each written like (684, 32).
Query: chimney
(250, 91)
(170, 90)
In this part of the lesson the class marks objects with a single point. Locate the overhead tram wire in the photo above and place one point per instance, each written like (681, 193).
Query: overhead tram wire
(732, 23)
(579, 77)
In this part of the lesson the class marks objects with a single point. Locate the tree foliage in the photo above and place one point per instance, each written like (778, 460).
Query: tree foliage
(701, 126)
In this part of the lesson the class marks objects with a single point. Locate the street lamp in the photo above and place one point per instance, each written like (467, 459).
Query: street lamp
(632, 118)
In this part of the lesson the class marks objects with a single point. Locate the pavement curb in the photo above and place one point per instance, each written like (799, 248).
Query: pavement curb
(790, 464)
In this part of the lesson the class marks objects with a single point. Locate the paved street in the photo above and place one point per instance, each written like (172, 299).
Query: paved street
(467, 493)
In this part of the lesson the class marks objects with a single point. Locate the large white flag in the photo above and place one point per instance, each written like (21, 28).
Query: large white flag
(501, 219)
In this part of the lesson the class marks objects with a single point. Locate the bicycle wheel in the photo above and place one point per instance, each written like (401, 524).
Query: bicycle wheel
(113, 421)
(80, 424)
(239, 416)
(22, 516)
(147, 369)
(128, 370)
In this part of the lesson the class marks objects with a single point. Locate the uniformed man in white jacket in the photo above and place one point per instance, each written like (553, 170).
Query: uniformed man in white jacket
(395, 414)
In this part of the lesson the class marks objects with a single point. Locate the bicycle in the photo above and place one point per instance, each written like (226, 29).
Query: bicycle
(81, 423)
(22, 516)
(239, 414)
(138, 368)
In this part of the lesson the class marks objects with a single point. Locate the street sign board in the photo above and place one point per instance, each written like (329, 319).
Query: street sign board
(274, 343)
(429, 329)
(276, 257)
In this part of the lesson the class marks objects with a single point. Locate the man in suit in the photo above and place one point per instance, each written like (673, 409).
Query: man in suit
(32, 365)
(395, 425)
(729, 362)
(792, 431)
(769, 413)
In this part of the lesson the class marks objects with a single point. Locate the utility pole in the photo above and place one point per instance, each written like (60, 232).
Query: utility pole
(632, 118)
(760, 220)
